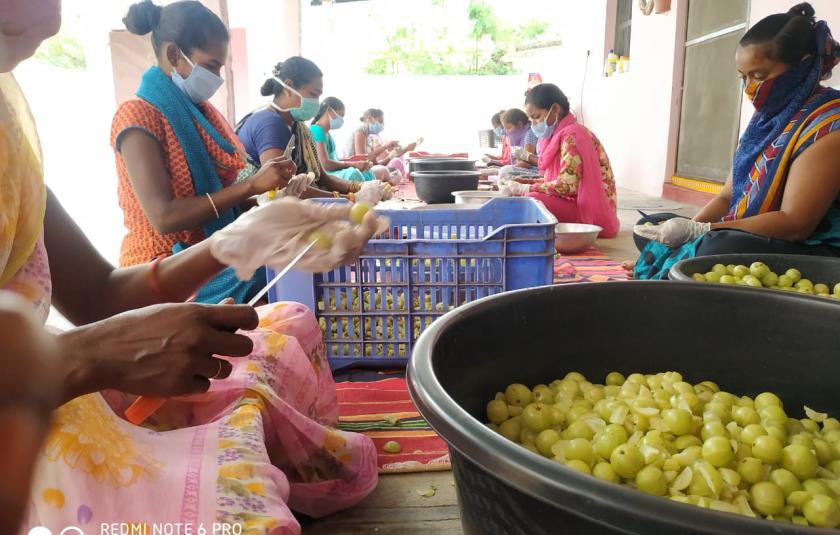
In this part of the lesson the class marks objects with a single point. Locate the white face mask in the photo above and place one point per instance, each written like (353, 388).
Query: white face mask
(200, 85)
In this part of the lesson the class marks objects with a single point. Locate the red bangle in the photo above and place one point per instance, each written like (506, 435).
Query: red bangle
(153, 281)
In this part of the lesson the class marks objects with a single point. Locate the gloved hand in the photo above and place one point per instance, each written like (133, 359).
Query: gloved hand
(674, 232)
(486, 159)
(521, 153)
(512, 188)
(295, 188)
(273, 234)
(297, 185)
(374, 191)
(395, 178)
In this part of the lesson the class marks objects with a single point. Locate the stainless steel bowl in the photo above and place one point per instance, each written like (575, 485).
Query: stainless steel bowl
(474, 197)
(575, 237)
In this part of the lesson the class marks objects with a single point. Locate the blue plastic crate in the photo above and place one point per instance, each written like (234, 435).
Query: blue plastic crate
(429, 261)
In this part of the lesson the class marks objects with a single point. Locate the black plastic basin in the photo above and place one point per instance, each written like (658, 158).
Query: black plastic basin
(436, 187)
(441, 164)
(824, 269)
(745, 340)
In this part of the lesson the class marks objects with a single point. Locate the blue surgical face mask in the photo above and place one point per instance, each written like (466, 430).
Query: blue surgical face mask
(543, 130)
(200, 85)
(308, 106)
(336, 122)
(375, 127)
(499, 131)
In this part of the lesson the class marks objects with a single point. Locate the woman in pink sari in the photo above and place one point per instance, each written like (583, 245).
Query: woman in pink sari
(247, 435)
(578, 184)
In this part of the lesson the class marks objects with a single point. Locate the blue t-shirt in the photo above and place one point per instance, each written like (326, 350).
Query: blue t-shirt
(261, 131)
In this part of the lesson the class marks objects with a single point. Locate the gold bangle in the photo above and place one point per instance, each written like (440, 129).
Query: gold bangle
(336, 194)
(351, 197)
(215, 210)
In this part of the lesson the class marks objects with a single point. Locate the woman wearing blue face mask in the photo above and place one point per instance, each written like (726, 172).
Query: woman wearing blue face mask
(295, 87)
(499, 130)
(331, 117)
(578, 184)
(783, 195)
(367, 140)
(177, 158)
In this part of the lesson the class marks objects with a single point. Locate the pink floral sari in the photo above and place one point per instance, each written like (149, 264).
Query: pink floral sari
(595, 184)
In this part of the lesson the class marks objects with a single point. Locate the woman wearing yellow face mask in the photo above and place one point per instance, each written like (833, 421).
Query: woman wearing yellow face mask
(783, 195)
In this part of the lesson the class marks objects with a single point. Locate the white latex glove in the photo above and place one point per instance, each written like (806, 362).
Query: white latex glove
(673, 232)
(521, 153)
(486, 159)
(394, 178)
(512, 188)
(273, 234)
(297, 185)
(374, 191)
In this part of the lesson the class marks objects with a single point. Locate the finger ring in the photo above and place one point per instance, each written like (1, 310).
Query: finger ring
(219, 371)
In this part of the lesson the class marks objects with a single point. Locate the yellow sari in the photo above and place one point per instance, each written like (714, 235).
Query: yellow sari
(22, 193)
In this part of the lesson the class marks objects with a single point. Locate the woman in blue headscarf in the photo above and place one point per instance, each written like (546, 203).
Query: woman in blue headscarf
(782, 195)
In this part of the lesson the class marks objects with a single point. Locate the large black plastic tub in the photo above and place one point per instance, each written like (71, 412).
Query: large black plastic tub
(441, 164)
(436, 187)
(746, 341)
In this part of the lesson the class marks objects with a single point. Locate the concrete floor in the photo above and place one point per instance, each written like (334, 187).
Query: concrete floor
(621, 247)
(397, 507)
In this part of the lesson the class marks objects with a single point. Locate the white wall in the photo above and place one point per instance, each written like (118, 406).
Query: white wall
(632, 113)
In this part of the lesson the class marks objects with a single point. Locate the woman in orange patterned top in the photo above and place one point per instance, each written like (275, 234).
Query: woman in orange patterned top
(177, 158)
(578, 184)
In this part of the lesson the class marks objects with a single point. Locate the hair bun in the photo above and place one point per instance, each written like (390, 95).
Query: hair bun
(270, 87)
(142, 17)
(804, 9)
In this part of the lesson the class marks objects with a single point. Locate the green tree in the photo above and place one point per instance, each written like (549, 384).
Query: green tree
(485, 26)
(481, 51)
(62, 51)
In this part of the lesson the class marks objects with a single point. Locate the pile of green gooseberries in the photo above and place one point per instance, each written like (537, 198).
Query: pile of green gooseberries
(379, 330)
(693, 443)
(758, 275)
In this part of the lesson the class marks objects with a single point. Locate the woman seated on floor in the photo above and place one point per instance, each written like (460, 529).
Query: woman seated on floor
(577, 184)
(499, 130)
(251, 436)
(177, 158)
(521, 138)
(331, 117)
(782, 194)
(295, 88)
(366, 141)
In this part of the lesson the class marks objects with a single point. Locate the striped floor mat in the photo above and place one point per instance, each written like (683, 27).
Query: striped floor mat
(383, 411)
(589, 266)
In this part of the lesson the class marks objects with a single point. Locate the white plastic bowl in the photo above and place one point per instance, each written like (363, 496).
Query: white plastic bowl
(475, 197)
